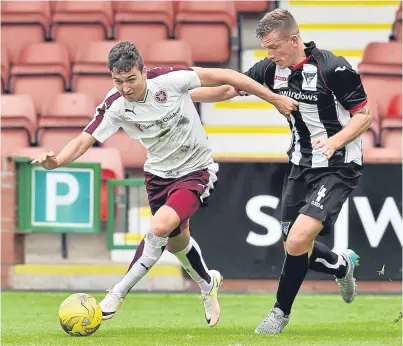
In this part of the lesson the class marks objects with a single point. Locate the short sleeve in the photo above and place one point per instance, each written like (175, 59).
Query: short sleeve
(180, 78)
(257, 72)
(346, 84)
(105, 123)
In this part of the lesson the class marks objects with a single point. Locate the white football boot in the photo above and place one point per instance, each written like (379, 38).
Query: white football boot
(110, 304)
(210, 300)
(274, 323)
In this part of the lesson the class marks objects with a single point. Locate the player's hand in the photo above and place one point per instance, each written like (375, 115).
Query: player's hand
(47, 160)
(285, 105)
(326, 144)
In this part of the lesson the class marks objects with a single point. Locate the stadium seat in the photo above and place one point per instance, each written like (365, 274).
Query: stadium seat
(382, 58)
(392, 122)
(5, 67)
(135, 18)
(41, 70)
(369, 138)
(62, 118)
(90, 72)
(380, 89)
(23, 22)
(109, 159)
(18, 122)
(381, 155)
(53, 4)
(207, 28)
(132, 152)
(78, 22)
(167, 53)
(251, 6)
(391, 138)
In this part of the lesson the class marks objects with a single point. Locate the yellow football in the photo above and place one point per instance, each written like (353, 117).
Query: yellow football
(80, 315)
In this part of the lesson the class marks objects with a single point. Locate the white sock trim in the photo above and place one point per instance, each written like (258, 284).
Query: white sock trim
(340, 261)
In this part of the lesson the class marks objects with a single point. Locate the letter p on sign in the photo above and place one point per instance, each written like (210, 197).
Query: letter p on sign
(53, 199)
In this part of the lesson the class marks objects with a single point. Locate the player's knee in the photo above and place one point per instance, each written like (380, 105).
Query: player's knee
(160, 229)
(295, 246)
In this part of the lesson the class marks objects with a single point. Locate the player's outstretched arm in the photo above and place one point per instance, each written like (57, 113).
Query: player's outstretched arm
(71, 152)
(216, 94)
(212, 77)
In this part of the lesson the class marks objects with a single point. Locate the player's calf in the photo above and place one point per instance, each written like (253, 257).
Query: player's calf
(147, 254)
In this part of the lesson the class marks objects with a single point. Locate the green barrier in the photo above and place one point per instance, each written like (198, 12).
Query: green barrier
(64, 200)
(125, 242)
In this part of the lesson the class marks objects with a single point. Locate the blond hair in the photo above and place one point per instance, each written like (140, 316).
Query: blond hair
(277, 20)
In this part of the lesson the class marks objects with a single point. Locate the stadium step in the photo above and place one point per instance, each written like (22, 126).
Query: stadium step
(89, 264)
(259, 142)
(91, 277)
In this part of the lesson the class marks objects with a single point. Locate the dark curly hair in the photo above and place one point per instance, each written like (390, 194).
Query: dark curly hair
(124, 56)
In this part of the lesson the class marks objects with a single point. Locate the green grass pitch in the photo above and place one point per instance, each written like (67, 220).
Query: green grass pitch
(30, 318)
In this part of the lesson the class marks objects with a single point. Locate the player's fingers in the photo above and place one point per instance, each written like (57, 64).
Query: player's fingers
(34, 161)
(51, 154)
(42, 157)
(328, 152)
(316, 143)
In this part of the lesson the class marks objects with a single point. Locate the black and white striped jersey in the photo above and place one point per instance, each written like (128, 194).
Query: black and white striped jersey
(328, 91)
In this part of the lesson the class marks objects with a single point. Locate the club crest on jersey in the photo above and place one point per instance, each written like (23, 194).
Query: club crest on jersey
(309, 77)
(161, 96)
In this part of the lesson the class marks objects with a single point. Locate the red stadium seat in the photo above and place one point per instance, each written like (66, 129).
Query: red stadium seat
(382, 155)
(380, 88)
(167, 53)
(23, 22)
(207, 28)
(18, 122)
(41, 70)
(5, 67)
(135, 18)
(78, 22)
(90, 72)
(392, 139)
(62, 118)
(393, 119)
(53, 4)
(382, 58)
(132, 152)
(369, 138)
(109, 159)
(251, 6)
